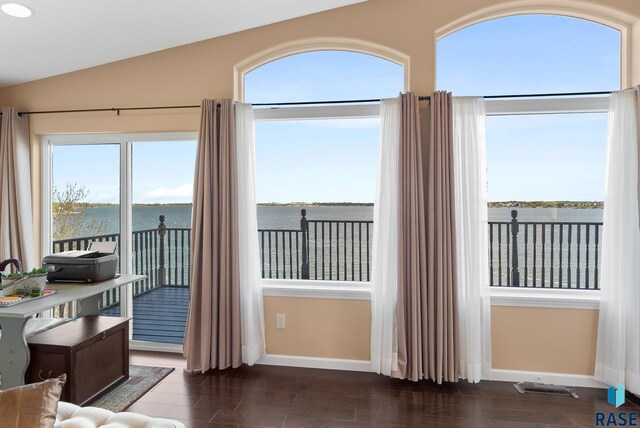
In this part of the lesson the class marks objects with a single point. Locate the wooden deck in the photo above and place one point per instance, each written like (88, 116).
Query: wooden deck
(159, 315)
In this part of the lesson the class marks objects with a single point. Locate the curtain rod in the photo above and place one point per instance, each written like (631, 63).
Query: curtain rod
(117, 110)
(302, 103)
(557, 94)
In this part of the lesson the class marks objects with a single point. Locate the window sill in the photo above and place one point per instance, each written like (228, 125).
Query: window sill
(347, 290)
(545, 298)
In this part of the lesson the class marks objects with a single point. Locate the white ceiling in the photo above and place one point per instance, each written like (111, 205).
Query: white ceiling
(69, 35)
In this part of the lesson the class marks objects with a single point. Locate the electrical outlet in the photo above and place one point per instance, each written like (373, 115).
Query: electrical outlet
(280, 320)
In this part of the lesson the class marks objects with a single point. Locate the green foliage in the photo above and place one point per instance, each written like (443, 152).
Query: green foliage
(33, 271)
(70, 214)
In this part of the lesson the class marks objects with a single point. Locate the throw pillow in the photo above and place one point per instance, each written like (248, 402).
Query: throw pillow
(31, 406)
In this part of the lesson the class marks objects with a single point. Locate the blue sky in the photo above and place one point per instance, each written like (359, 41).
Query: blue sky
(545, 157)
(320, 160)
(537, 157)
(162, 171)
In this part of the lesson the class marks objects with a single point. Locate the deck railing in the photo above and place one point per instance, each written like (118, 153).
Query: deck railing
(162, 254)
(545, 254)
(521, 254)
(333, 250)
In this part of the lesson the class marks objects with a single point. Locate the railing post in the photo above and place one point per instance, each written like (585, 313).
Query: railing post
(304, 227)
(515, 273)
(162, 230)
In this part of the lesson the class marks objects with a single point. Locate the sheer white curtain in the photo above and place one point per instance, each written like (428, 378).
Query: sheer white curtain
(384, 278)
(618, 347)
(469, 166)
(251, 305)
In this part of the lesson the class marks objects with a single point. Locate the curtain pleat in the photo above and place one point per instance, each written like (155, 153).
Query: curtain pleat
(213, 335)
(472, 243)
(426, 312)
(618, 345)
(384, 277)
(251, 304)
(16, 217)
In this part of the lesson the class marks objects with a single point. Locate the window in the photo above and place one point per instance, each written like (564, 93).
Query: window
(545, 155)
(123, 188)
(316, 165)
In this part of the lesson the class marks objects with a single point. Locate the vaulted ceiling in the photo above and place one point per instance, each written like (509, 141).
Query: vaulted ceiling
(67, 35)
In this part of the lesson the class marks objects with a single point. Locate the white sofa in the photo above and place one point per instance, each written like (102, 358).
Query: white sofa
(72, 416)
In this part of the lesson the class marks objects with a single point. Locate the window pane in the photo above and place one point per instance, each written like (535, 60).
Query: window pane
(86, 179)
(554, 157)
(328, 168)
(162, 185)
(549, 171)
(324, 76)
(317, 160)
(529, 54)
(86, 203)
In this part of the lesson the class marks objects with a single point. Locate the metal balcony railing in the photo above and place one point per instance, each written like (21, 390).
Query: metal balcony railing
(563, 255)
(333, 250)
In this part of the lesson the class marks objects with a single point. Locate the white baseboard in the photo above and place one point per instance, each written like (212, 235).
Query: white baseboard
(140, 345)
(365, 366)
(315, 362)
(555, 378)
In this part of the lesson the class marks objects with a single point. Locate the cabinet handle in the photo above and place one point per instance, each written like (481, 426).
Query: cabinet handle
(49, 373)
(104, 335)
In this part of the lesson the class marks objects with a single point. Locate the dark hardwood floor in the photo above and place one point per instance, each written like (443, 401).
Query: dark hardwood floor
(271, 396)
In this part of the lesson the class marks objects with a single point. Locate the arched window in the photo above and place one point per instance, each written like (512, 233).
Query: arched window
(545, 154)
(528, 54)
(321, 158)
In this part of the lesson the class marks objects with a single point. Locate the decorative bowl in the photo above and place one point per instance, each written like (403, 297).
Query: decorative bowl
(23, 285)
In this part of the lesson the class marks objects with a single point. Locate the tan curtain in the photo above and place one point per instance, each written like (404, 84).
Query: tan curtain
(16, 217)
(427, 302)
(213, 336)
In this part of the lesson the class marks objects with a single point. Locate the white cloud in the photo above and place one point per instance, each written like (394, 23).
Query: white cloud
(180, 192)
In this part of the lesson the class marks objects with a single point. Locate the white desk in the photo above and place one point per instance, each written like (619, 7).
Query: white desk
(14, 352)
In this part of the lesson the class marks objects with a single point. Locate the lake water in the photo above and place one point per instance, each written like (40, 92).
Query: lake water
(548, 255)
(269, 217)
(288, 217)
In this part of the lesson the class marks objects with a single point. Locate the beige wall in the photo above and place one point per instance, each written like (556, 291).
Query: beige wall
(552, 340)
(544, 339)
(187, 74)
(328, 328)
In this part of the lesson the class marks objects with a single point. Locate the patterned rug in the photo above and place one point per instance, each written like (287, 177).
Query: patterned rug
(141, 380)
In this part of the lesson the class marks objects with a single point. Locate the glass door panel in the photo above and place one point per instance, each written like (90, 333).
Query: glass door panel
(162, 193)
(85, 205)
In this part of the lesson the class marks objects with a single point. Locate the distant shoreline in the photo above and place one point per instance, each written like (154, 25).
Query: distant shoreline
(502, 204)
(315, 204)
(260, 204)
(548, 204)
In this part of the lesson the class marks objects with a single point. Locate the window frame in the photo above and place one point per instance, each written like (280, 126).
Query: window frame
(541, 297)
(358, 290)
(125, 142)
(304, 288)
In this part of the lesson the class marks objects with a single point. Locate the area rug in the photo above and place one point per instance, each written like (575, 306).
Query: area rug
(141, 380)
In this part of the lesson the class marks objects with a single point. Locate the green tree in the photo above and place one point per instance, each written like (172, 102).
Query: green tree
(70, 214)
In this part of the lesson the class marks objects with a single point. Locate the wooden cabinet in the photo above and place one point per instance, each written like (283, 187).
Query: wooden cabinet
(93, 351)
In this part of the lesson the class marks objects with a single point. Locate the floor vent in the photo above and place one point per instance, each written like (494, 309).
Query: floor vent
(545, 388)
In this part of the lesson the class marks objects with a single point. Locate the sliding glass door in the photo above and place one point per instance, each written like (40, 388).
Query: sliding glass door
(134, 190)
